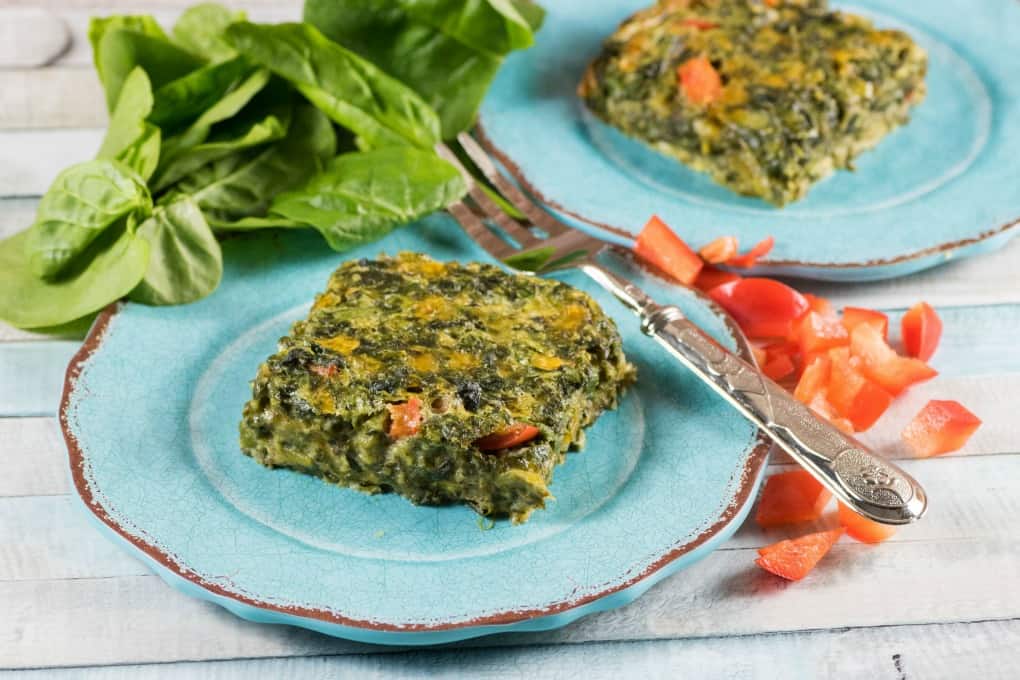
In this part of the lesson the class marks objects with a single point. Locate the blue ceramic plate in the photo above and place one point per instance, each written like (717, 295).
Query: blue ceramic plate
(944, 186)
(150, 414)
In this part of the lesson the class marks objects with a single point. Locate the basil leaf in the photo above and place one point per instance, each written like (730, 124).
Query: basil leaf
(361, 196)
(185, 260)
(489, 26)
(355, 93)
(121, 43)
(242, 184)
(83, 201)
(421, 54)
(129, 138)
(112, 266)
(200, 30)
(181, 101)
(238, 134)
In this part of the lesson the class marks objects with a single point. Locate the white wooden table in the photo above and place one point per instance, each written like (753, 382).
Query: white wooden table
(940, 600)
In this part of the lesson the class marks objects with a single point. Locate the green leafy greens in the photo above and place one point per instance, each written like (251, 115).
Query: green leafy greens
(225, 125)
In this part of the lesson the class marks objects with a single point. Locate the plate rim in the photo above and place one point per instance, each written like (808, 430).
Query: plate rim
(749, 474)
(914, 257)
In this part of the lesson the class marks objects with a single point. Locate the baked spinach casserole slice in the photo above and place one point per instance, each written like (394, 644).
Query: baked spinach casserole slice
(443, 382)
(766, 96)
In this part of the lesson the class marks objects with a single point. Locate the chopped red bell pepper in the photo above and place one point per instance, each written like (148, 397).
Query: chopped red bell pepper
(405, 418)
(852, 316)
(720, 250)
(863, 529)
(880, 363)
(761, 357)
(921, 330)
(816, 333)
(940, 427)
(762, 307)
(751, 257)
(793, 559)
(820, 404)
(853, 396)
(790, 497)
(819, 304)
(710, 277)
(699, 81)
(814, 380)
(700, 24)
(779, 367)
(516, 434)
(659, 246)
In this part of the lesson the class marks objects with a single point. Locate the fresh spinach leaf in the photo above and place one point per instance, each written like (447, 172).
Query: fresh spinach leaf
(452, 76)
(361, 196)
(84, 201)
(129, 138)
(242, 132)
(185, 260)
(242, 184)
(352, 91)
(489, 26)
(181, 101)
(200, 30)
(224, 109)
(121, 43)
(112, 266)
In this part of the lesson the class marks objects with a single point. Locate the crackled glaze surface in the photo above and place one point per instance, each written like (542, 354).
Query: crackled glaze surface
(150, 418)
(943, 186)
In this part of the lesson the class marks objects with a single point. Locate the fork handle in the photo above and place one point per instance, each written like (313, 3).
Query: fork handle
(870, 485)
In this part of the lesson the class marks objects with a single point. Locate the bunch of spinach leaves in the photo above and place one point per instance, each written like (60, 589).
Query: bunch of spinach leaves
(224, 125)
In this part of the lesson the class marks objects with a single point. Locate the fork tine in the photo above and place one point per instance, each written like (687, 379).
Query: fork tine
(477, 230)
(520, 233)
(536, 214)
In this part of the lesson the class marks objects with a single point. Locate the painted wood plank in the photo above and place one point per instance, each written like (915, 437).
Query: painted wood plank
(32, 376)
(138, 619)
(56, 97)
(34, 457)
(29, 160)
(31, 37)
(50, 537)
(975, 650)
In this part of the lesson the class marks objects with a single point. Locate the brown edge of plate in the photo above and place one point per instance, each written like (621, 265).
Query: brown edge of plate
(752, 468)
(519, 176)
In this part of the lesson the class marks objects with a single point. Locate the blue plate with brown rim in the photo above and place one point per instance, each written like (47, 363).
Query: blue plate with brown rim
(150, 414)
(942, 187)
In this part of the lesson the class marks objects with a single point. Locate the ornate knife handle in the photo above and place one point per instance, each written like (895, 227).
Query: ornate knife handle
(870, 485)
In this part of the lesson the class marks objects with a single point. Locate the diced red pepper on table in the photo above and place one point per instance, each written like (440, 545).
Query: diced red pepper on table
(880, 363)
(853, 316)
(791, 497)
(762, 307)
(940, 427)
(751, 257)
(861, 528)
(794, 559)
(921, 330)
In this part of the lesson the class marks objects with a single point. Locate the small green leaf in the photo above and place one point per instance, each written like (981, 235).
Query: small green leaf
(200, 30)
(121, 43)
(180, 101)
(84, 201)
(363, 195)
(492, 27)
(129, 138)
(354, 92)
(185, 261)
(242, 184)
(112, 265)
(531, 260)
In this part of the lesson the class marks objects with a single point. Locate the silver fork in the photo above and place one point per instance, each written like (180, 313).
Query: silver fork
(869, 484)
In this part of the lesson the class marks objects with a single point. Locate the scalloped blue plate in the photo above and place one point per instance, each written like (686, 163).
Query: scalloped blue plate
(944, 186)
(150, 414)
